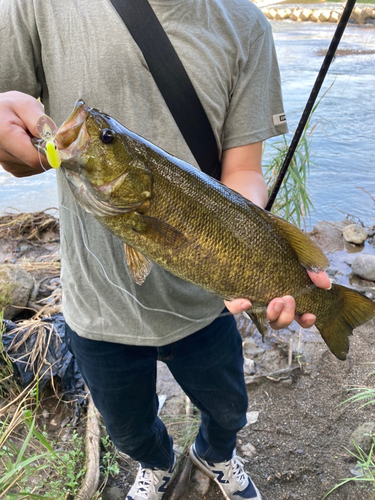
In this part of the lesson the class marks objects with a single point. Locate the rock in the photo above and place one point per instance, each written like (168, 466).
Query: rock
(269, 13)
(272, 14)
(16, 286)
(356, 14)
(355, 233)
(328, 235)
(248, 450)
(251, 348)
(324, 16)
(368, 13)
(249, 366)
(305, 14)
(252, 417)
(113, 493)
(361, 15)
(362, 437)
(364, 266)
(295, 14)
(315, 16)
(334, 17)
(201, 483)
(283, 14)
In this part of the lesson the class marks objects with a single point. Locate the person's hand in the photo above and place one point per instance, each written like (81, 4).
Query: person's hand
(281, 311)
(19, 114)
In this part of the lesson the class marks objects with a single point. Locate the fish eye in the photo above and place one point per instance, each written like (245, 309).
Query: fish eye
(107, 135)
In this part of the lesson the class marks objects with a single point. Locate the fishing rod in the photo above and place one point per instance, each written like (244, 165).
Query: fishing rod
(311, 101)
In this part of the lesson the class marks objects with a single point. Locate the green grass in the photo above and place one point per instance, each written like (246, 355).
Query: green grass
(36, 469)
(365, 468)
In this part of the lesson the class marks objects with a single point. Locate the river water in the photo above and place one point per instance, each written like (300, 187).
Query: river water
(343, 147)
(343, 143)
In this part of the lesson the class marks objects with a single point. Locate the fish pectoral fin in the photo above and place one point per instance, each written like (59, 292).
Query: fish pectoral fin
(160, 232)
(139, 265)
(258, 315)
(309, 254)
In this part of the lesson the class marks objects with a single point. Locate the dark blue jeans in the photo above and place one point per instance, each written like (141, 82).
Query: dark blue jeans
(208, 365)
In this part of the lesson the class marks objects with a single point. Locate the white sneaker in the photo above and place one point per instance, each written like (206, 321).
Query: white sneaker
(229, 476)
(151, 484)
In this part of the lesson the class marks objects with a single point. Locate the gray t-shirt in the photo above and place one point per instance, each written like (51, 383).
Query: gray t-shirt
(62, 51)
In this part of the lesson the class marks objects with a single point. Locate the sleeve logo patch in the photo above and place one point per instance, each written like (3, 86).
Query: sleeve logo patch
(279, 119)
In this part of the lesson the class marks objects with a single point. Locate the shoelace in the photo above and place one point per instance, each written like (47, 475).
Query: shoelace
(235, 465)
(147, 480)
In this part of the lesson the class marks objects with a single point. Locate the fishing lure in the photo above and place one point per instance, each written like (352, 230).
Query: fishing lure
(47, 129)
(52, 154)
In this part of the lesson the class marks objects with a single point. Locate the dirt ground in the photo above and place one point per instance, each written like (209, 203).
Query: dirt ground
(298, 442)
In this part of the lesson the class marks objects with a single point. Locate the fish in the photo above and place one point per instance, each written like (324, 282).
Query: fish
(170, 213)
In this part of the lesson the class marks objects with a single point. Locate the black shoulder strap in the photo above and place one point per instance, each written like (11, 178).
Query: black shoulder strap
(172, 81)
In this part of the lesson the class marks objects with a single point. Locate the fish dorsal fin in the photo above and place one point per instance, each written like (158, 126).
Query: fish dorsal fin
(309, 254)
(139, 265)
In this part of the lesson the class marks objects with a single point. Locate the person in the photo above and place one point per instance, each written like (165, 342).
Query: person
(61, 51)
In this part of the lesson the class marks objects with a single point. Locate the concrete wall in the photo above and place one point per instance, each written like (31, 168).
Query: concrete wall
(360, 15)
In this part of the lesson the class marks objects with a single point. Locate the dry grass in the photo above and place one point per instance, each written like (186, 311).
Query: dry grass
(49, 267)
(44, 333)
(28, 226)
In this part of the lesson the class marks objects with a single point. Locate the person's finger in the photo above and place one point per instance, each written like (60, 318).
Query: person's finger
(320, 279)
(306, 320)
(21, 170)
(20, 114)
(17, 144)
(281, 311)
(237, 306)
(17, 168)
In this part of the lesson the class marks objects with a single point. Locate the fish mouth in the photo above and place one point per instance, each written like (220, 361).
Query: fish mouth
(72, 137)
(72, 140)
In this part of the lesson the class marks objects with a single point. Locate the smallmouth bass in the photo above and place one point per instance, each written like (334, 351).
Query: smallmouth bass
(168, 212)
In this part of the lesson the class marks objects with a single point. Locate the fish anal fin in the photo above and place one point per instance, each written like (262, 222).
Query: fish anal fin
(139, 265)
(258, 315)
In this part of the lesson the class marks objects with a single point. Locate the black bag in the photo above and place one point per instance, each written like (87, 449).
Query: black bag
(172, 81)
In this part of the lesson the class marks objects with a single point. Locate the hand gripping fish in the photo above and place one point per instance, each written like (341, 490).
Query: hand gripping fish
(168, 212)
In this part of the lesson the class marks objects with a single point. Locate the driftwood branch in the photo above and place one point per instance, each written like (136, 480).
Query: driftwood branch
(274, 376)
(91, 482)
(181, 484)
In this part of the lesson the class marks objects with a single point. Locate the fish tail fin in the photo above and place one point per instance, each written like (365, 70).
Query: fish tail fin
(349, 309)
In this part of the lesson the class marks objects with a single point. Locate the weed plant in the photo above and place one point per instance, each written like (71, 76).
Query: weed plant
(364, 472)
(30, 466)
(36, 466)
(184, 429)
(293, 201)
(109, 461)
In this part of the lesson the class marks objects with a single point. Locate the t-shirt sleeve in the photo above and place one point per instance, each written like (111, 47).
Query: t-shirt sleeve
(20, 48)
(256, 110)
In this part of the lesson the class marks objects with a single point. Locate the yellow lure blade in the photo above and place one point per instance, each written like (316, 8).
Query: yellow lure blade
(53, 155)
